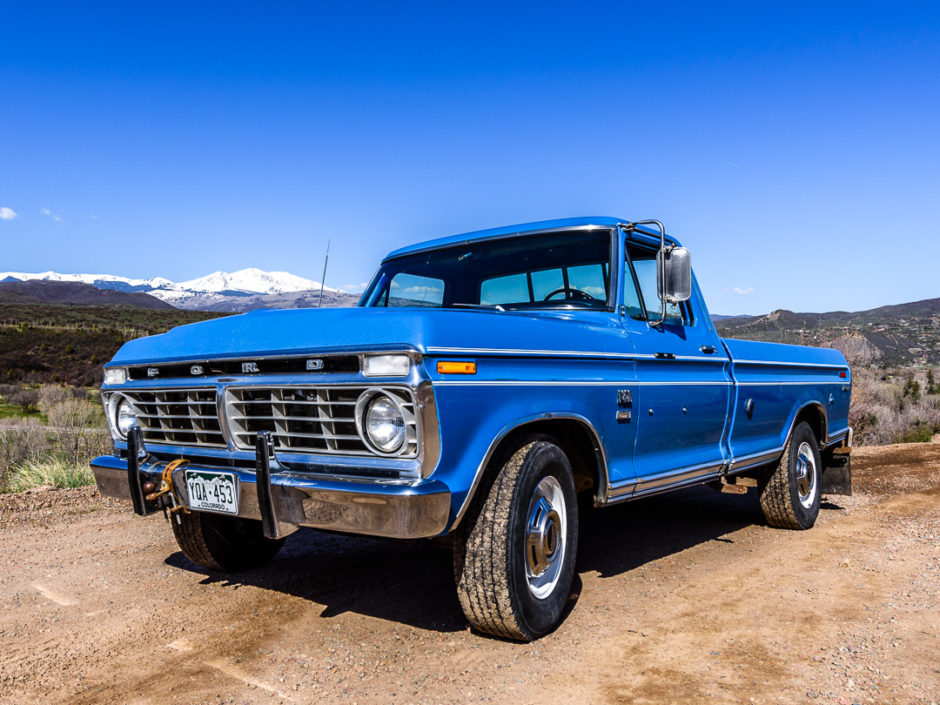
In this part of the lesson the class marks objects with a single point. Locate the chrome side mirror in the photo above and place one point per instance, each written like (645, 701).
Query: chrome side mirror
(674, 274)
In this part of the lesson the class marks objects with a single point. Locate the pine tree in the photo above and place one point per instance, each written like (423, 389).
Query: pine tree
(932, 387)
(912, 389)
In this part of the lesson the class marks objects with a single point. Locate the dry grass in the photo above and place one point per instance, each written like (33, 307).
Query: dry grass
(885, 410)
(33, 454)
(49, 472)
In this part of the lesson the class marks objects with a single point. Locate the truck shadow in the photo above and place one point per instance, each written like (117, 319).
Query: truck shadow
(412, 582)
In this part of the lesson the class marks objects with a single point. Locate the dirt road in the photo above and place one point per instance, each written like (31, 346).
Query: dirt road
(686, 598)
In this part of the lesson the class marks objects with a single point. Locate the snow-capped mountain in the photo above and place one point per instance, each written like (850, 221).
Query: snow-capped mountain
(254, 280)
(220, 291)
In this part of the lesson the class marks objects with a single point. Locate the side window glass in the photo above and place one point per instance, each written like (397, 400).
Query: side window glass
(631, 300)
(545, 282)
(589, 278)
(512, 289)
(415, 290)
(644, 264)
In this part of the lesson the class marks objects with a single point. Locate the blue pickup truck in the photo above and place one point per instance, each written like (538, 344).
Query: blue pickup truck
(488, 387)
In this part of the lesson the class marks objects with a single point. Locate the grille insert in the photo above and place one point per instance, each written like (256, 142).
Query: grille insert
(308, 419)
(186, 417)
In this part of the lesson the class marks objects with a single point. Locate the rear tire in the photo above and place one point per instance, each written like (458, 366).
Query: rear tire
(514, 556)
(225, 543)
(790, 495)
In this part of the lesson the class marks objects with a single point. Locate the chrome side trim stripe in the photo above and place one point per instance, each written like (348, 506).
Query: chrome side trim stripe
(638, 486)
(569, 383)
(541, 353)
(795, 384)
(792, 364)
(515, 352)
(747, 461)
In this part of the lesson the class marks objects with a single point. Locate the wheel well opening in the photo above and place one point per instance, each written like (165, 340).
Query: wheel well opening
(574, 438)
(816, 418)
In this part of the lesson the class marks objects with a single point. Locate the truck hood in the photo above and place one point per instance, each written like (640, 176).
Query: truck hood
(305, 331)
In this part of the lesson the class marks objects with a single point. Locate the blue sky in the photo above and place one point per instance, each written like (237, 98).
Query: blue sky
(794, 147)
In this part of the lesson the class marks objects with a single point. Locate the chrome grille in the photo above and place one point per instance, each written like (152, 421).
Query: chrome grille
(186, 417)
(307, 419)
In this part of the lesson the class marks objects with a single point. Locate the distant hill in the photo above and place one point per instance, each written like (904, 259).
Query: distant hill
(74, 293)
(903, 334)
(42, 343)
(292, 299)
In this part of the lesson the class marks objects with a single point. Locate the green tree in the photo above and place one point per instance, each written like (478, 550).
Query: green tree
(912, 389)
(932, 387)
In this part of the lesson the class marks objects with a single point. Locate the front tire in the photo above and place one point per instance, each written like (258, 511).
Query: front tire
(790, 496)
(225, 543)
(514, 557)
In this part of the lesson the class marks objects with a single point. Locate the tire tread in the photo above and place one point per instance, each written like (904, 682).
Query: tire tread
(776, 497)
(483, 582)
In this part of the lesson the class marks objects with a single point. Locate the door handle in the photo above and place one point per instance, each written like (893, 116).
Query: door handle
(708, 349)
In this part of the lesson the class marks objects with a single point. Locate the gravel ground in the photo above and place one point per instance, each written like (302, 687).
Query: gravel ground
(684, 598)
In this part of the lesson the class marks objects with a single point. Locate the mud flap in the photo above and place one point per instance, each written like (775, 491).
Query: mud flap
(837, 473)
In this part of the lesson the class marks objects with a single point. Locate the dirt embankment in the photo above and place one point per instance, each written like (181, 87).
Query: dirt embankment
(685, 598)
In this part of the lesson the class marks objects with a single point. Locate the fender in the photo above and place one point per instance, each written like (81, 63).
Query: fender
(600, 491)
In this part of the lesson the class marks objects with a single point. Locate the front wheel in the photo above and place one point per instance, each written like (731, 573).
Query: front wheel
(790, 495)
(514, 558)
(219, 542)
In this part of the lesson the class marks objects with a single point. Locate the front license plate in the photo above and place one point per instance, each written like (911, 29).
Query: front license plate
(212, 491)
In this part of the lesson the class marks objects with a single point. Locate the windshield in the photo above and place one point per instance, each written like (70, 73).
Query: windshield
(554, 270)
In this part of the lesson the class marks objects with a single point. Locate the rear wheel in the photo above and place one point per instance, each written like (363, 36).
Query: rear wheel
(514, 557)
(220, 542)
(790, 495)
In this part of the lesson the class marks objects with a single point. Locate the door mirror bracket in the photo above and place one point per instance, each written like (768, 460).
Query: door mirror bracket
(673, 269)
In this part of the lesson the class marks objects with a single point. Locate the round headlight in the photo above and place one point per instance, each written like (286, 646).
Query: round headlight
(124, 417)
(385, 424)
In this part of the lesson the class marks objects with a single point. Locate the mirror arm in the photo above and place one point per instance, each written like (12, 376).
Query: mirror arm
(630, 227)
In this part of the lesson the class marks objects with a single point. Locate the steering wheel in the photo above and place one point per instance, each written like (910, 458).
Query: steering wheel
(571, 294)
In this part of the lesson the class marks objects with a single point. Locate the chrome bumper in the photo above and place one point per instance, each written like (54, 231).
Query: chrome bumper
(378, 509)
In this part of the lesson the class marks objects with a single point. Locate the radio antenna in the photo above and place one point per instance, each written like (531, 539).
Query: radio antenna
(326, 261)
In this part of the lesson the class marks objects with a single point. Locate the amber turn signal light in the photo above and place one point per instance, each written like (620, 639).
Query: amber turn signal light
(457, 368)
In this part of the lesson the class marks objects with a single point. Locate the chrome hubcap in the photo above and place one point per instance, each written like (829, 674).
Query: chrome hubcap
(806, 474)
(546, 528)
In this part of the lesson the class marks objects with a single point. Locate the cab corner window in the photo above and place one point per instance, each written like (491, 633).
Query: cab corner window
(414, 290)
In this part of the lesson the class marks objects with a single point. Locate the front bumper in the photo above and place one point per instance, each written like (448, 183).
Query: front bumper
(378, 509)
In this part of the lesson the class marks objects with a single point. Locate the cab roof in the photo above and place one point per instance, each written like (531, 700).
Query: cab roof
(508, 230)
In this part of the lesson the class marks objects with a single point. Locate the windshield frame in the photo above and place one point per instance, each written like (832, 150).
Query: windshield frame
(376, 284)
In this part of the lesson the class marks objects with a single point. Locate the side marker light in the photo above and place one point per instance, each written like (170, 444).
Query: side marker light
(457, 368)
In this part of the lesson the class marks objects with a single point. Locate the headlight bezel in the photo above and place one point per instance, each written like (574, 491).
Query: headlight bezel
(363, 406)
(115, 402)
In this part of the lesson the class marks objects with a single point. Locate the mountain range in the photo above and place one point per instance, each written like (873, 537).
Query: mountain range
(902, 334)
(244, 290)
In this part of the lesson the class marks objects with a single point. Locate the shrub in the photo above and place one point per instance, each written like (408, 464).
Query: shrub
(21, 441)
(918, 434)
(26, 399)
(884, 411)
(78, 425)
(52, 394)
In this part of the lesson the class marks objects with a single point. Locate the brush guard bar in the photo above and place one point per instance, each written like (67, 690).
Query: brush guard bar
(285, 499)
